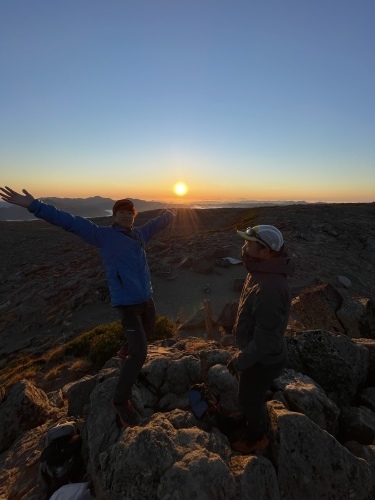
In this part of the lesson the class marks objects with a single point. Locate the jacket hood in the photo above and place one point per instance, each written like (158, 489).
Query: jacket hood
(280, 265)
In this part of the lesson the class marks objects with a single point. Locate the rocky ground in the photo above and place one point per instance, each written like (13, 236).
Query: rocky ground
(322, 409)
(52, 285)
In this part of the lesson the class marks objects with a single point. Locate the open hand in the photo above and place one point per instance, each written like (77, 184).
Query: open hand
(22, 200)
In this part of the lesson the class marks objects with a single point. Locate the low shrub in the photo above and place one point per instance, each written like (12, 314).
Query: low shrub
(97, 346)
(165, 329)
(82, 346)
(103, 347)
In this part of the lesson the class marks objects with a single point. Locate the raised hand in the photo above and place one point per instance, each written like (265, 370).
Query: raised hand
(22, 200)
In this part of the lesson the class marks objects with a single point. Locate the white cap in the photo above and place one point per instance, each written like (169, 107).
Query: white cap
(268, 236)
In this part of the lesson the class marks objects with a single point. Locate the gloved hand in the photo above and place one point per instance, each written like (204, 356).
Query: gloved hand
(232, 365)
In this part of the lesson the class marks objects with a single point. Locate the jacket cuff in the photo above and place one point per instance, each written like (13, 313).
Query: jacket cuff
(33, 206)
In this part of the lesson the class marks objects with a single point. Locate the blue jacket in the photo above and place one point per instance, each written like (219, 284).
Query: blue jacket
(123, 257)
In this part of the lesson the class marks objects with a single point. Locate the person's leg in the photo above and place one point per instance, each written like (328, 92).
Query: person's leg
(148, 321)
(131, 318)
(123, 352)
(253, 386)
(149, 318)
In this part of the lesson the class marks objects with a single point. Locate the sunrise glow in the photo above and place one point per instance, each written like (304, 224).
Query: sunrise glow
(180, 189)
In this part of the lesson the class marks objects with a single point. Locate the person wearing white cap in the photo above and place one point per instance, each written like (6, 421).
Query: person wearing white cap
(259, 329)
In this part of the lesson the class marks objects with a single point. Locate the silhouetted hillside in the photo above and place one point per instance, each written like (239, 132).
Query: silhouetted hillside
(95, 206)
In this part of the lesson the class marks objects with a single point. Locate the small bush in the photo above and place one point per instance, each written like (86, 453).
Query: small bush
(81, 346)
(103, 347)
(165, 329)
(97, 345)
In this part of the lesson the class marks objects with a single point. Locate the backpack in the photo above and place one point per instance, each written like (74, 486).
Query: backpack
(205, 405)
(61, 460)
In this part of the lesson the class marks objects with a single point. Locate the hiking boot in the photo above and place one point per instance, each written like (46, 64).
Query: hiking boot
(246, 447)
(123, 353)
(128, 415)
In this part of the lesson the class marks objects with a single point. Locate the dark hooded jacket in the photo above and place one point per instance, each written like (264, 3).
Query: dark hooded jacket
(263, 312)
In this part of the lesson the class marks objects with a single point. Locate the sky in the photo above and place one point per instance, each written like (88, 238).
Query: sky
(237, 99)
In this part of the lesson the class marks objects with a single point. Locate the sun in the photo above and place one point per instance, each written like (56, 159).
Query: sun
(180, 188)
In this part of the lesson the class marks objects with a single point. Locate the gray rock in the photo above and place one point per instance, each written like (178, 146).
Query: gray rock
(170, 455)
(358, 424)
(334, 361)
(25, 407)
(20, 466)
(311, 463)
(305, 396)
(316, 306)
(366, 397)
(224, 384)
(367, 452)
(101, 430)
(358, 317)
(344, 281)
(162, 461)
(255, 477)
(78, 394)
(182, 374)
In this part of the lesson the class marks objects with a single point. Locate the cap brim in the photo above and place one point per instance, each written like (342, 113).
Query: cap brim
(245, 236)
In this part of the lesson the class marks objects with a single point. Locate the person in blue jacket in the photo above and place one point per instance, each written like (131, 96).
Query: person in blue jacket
(122, 250)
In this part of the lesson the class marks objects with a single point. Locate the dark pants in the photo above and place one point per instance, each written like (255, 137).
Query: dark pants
(138, 322)
(254, 383)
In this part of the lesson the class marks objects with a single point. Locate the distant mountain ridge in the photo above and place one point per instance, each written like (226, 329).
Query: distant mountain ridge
(96, 206)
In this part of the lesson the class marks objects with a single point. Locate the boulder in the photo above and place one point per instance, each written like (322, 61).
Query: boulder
(358, 424)
(20, 465)
(78, 394)
(358, 317)
(334, 361)
(366, 397)
(255, 477)
(316, 306)
(305, 396)
(310, 463)
(25, 407)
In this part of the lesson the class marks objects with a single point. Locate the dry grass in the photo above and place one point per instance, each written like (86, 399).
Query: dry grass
(23, 367)
(81, 364)
(56, 354)
(66, 363)
(196, 345)
(56, 372)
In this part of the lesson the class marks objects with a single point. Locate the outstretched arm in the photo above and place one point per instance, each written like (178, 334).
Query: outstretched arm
(84, 228)
(22, 200)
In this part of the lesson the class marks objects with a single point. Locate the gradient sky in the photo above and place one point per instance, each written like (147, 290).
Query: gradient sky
(241, 99)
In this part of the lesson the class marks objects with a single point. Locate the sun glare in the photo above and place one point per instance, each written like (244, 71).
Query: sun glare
(180, 188)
